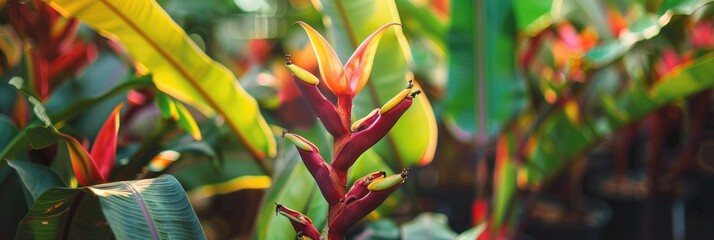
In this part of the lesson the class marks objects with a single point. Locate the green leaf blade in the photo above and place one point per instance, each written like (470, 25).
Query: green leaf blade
(179, 67)
(99, 211)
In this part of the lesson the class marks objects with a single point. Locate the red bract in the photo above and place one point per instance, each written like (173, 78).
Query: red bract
(95, 167)
(344, 82)
(53, 52)
(346, 208)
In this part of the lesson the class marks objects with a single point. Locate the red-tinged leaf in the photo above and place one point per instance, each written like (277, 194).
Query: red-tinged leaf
(331, 71)
(73, 61)
(105, 145)
(20, 112)
(504, 180)
(359, 67)
(480, 211)
(83, 165)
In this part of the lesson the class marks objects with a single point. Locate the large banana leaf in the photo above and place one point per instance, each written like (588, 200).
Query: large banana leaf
(143, 209)
(179, 67)
(412, 141)
(484, 88)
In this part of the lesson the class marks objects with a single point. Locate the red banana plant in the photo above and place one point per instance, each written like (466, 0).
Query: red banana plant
(346, 207)
(52, 48)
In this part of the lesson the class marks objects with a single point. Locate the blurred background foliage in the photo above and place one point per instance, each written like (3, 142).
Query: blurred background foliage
(540, 119)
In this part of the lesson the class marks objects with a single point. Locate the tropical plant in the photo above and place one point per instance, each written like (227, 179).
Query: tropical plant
(115, 188)
(350, 140)
(574, 99)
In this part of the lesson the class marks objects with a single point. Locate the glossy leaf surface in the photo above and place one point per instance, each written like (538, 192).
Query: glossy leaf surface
(143, 209)
(484, 88)
(179, 67)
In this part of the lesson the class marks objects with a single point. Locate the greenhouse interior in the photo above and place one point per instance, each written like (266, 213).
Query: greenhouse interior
(357, 119)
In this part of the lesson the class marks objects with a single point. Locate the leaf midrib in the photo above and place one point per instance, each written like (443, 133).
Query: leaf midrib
(480, 75)
(206, 97)
(144, 210)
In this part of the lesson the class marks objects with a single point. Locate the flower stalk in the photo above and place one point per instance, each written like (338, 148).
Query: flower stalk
(346, 208)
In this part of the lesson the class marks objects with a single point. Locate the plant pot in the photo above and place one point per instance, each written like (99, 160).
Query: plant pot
(549, 219)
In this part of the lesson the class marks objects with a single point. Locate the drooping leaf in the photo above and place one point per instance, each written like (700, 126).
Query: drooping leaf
(412, 141)
(485, 90)
(39, 136)
(37, 107)
(143, 209)
(104, 147)
(179, 67)
(36, 178)
(201, 180)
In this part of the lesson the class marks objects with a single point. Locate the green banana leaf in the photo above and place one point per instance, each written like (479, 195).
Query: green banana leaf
(179, 67)
(412, 141)
(560, 139)
(202, 179)
(36, 178)
(143, 209)
(485, 90)
(646, 27)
